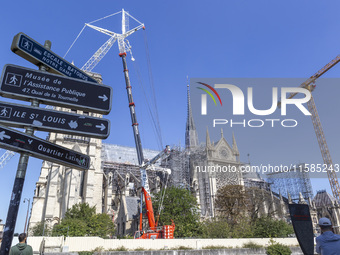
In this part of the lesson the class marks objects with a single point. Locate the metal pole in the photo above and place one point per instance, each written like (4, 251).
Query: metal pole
(28, 208)
(135, 129)
(132, 112)
(46, 197)
(18, 186)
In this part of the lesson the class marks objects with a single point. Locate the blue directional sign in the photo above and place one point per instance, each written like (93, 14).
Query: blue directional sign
(14, 140)
(24, 84)
(37, 54)
(21, 116)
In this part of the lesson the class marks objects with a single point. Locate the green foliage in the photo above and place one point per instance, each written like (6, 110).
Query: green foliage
(85, 252)
(252, 245)
(82, 220)
(239, 211)
(215, 247)
(242, 229)
(278, 249)
(98, 249)
(140, 249)
(217, 228)
(183, 248)
(80, 211)
(221, 228)
(121, 248)
(231, 202)
(245, 228)
(180, 206)
(38, 229)
(100, 225)
(268, 227)
(70, 227)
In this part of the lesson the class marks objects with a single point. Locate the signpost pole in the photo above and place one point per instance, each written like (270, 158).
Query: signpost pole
(18, 186)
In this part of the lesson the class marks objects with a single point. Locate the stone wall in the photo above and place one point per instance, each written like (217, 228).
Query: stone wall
(76, 244)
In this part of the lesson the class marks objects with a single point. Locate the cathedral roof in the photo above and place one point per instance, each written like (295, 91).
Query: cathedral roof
(323, 198)
(124, 154)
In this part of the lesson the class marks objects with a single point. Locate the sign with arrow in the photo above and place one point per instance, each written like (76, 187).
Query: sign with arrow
(14, 140)
(37, 54)
(53, 121)
(24, 83)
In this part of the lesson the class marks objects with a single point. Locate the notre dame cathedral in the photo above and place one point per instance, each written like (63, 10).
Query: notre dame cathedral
(112, 184)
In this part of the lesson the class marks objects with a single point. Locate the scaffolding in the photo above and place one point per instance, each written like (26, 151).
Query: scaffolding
(178, 162)
(294, 182)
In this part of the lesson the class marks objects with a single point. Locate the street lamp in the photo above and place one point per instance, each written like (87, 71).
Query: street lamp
(28, 208)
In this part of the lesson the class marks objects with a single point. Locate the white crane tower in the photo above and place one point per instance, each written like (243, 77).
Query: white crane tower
(123, 43)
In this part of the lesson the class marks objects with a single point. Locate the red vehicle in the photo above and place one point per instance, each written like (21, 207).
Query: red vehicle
(153, 232)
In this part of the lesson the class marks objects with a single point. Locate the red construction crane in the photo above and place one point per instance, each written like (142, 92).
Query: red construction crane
(152, 232)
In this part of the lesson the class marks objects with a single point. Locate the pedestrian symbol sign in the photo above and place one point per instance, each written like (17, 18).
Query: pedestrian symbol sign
(13, 79)
(37, 54)
(5, 112)
(24, 84)
(27, 44)
(21, 116)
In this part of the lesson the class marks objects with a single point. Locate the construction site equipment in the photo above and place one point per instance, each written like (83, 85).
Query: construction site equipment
(153, 231)
(310, 85)
(123, 43)
(293, 181)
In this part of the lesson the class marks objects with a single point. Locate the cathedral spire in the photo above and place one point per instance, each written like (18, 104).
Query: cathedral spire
(301, 199)
(191, 138)
(235, 149)
(290, 201)
(207, 143)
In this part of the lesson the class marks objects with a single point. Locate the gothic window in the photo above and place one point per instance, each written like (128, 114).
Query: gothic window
(38, 190)
(223, 153)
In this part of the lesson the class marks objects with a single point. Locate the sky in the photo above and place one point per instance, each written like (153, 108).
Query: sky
(198, 39)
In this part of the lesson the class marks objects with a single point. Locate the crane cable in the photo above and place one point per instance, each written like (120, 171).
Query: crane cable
(151, 80)
(84, 28)
(154, 126)
(74, 41)
(153, 114)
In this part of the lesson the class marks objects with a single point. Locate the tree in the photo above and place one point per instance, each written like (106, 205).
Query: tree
(38, 229)
(101, 225)
(242, 209)
(255, 197)
(230, 203)
(71, 227)
(180, 206)
(80, 211)
(82, 220)
(217, 228)
(268, 227)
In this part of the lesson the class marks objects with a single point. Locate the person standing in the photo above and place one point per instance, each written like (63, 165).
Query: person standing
(21, 248)
(327, 243)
